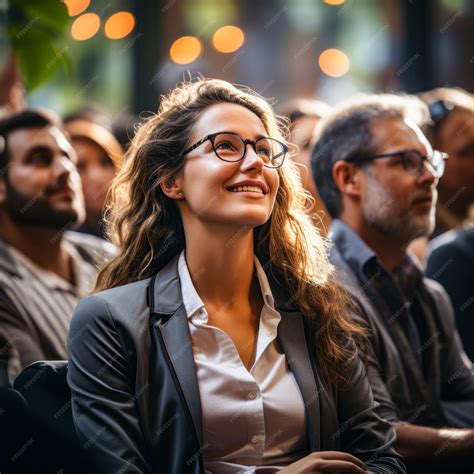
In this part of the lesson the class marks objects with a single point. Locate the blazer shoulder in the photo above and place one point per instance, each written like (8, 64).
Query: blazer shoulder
(124, 305)
(437, 291)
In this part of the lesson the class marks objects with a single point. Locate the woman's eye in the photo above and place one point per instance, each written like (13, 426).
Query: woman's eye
(224, 146)
(264, 151)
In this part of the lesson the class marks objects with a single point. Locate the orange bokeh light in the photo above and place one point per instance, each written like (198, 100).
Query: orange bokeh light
(185, 50)
(334, 2)
(334, 62)
(228, 39)
(119, 25)
(75, 7)
(85, 26)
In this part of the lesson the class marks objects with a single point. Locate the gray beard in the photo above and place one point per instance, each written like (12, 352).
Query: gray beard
(380, 213)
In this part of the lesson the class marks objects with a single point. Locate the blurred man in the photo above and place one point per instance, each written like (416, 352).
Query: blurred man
(452, 131)
(44, 269)
(303, 115)
(98, 158)
(377, 175)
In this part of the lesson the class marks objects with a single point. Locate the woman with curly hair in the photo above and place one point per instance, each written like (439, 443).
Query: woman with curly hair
(218, 339)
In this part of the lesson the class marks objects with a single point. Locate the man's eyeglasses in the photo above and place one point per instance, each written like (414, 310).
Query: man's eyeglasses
(412, 161)
(231, 147)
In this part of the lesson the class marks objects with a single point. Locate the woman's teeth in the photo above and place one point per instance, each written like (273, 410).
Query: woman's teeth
(239, 189)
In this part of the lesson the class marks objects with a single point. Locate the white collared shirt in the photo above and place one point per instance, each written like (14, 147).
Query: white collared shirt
(252, 419)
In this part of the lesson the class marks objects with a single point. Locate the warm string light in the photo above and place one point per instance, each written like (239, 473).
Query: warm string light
(334, 62)
(76, 7)
(85, 26)
(187, 49)
(119, 25)
(228, 39)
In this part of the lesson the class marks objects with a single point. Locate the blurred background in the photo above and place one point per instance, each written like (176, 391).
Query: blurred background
(123, 54)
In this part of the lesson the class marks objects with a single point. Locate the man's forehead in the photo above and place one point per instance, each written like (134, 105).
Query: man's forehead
(50, 136)
(396, 132)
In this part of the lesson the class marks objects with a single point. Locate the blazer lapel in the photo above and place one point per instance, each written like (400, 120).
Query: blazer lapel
(291, 336)
(170, 324)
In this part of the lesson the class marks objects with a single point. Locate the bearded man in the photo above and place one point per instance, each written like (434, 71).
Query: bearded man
(377, 175)
(44, 267)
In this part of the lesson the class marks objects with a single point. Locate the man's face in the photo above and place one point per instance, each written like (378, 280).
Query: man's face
(395, 201)
(41, 186)
(456, 137)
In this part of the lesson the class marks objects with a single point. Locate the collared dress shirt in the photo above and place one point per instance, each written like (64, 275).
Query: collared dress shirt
(418, 351)
(36, 305)
(253, 420)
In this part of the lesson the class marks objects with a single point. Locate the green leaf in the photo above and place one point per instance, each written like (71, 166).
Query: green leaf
(37, 56)
(49, 14)
(35, 29)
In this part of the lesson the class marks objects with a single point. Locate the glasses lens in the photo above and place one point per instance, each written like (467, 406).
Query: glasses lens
(228, 147)
(412, 161)
(271, 151)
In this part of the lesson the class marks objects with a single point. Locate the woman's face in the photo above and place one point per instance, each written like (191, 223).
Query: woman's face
(301, 135)
(210, 186)
(97, 172)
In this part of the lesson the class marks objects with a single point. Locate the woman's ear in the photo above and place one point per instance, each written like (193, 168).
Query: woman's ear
(172, 188)
(347, 177)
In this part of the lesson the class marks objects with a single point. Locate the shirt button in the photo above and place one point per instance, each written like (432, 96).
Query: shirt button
(252, 395)
(255, 439)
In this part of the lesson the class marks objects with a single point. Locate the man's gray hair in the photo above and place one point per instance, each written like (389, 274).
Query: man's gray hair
(346, 133)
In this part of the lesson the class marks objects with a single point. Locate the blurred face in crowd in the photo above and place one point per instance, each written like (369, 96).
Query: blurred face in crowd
(97, 172)
(216, 192)
(456, 137)
(395, 201)
(42, 187)
(301, 135)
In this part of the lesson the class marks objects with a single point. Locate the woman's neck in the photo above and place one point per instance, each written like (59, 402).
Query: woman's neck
(221, 265)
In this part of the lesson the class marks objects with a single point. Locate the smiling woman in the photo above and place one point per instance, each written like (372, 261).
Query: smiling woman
(220, 309)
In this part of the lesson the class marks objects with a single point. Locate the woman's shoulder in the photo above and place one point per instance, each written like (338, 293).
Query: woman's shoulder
(124, 305)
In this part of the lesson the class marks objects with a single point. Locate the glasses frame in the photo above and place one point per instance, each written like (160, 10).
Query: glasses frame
(402, 153)
(212, 137)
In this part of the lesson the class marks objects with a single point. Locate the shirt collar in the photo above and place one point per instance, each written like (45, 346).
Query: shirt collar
(409, 277)
(353, 249)
(21, 265)
(193, 302)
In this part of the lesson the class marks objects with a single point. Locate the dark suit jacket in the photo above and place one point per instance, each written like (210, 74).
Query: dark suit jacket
(402, 393)
(451, 263)
(135, 397)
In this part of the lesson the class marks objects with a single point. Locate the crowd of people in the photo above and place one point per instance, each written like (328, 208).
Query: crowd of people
(240, 291)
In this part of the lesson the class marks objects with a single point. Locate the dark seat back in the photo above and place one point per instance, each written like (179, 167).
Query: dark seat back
(16, 432)
(44, 387)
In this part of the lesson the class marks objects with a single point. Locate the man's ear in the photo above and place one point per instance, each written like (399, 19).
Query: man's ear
(347, 178)
(172, 188)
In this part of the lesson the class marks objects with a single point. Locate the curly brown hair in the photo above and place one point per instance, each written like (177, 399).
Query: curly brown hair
(146, 226)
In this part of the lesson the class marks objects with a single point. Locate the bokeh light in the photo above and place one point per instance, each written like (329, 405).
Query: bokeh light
(119, 25)
(76, 7)
(228, 39)
(334, 62)
(185, 50)
(334, 2)
(85, 26)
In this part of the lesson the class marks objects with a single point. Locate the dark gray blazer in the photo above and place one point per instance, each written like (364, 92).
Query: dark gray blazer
(401, 392)
(135, 397)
